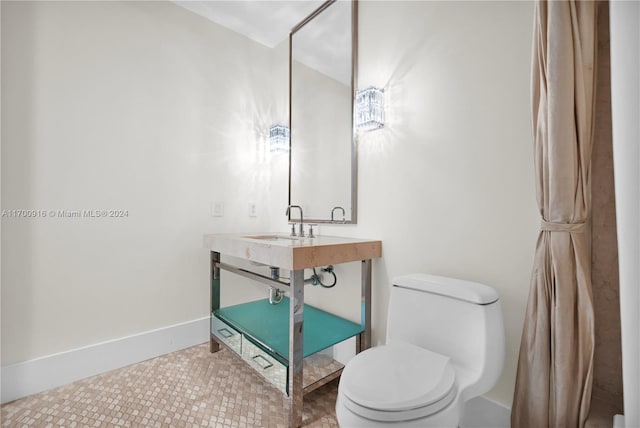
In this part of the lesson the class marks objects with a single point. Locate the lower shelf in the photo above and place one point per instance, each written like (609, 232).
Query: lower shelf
(268, 326)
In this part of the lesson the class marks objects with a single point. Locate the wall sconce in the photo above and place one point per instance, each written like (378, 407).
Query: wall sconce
(279, 136)
(370, 108)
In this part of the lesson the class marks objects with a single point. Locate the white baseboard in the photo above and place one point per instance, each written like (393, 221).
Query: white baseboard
(482, 412)
(29, 377)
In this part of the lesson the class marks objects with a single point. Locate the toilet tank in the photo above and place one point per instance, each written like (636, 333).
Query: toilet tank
(456, 318)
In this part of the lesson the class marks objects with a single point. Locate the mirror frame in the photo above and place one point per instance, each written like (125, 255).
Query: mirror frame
(354, 80)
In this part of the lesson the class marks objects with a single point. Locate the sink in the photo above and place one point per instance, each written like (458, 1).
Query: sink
(292, 252)
(273, 237)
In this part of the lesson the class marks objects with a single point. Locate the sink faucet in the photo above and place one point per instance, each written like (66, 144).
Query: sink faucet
(337, 208)
(301, 220)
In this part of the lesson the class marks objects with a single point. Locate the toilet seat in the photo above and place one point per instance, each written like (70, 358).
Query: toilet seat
(397, 382)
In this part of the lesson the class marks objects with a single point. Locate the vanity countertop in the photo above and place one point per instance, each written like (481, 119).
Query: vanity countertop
(277, 249)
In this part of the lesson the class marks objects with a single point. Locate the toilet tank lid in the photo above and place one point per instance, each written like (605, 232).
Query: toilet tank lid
(472, 292)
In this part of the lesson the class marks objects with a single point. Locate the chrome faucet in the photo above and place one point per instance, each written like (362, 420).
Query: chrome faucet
(338, 208)
(301, 220)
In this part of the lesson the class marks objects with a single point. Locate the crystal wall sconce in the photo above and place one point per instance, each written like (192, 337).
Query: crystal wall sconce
(370, 108)
(279, 136)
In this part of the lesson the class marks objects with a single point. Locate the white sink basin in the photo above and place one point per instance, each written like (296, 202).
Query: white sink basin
(293, 252)
(273, 237)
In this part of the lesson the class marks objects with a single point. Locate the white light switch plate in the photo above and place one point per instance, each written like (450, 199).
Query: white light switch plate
(252, 211)
(217, 209)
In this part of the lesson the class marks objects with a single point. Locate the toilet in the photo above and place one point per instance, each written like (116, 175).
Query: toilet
(445, 345)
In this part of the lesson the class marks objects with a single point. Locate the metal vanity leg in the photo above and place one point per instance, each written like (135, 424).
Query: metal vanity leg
(363, 341)
(296, 318)
(214, 346)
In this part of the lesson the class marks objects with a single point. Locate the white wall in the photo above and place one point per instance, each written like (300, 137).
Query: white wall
(140, 106)
(448, 184)
(625, 111)
(145, 107)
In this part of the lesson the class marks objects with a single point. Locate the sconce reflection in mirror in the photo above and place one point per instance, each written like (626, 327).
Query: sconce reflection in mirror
(279, 136)
(370, 108)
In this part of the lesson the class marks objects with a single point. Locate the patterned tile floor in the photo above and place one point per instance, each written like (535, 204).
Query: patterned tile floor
(188, 388)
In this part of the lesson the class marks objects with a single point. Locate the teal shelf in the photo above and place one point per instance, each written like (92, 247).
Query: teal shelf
(268, 325)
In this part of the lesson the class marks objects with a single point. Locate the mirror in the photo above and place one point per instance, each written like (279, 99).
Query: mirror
(322, 64)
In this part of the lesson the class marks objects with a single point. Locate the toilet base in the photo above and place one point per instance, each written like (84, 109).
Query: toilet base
(449, 417)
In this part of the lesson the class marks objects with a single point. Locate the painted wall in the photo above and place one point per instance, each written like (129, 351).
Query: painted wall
(448, 184)
(156, 111)
(625, 110)
(136, 106)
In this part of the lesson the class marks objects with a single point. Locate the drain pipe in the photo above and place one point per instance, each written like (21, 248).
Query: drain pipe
(275, 295)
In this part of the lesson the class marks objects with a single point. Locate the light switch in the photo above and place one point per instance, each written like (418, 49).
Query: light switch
(253, 211)
(217, 209)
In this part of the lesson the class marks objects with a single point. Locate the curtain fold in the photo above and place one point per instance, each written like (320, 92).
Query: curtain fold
(555, 366)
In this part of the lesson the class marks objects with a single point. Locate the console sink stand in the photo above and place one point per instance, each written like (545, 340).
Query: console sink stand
(295, 255)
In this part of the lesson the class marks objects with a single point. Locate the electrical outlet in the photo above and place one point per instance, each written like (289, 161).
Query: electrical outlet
(253, 211)
(217, 209)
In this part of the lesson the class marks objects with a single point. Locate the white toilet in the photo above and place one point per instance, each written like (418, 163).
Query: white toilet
(445, 345)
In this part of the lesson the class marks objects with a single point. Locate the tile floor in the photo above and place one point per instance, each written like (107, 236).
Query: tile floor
(188, 388)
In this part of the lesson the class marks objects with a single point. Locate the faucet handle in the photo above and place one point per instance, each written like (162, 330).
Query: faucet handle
(311, 226)
(293, 229)
(343, 214)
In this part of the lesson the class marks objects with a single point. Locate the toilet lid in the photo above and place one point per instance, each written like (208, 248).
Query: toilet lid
(398, 377)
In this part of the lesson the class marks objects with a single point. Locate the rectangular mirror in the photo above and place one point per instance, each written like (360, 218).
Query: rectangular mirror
(322, 78)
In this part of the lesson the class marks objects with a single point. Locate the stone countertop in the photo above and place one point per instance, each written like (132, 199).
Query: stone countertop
(293, 253)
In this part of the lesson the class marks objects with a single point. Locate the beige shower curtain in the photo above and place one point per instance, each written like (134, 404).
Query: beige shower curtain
(555, 367)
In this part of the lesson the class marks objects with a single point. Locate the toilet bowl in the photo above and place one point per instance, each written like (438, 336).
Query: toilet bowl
(409, 383)
(445, 345)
